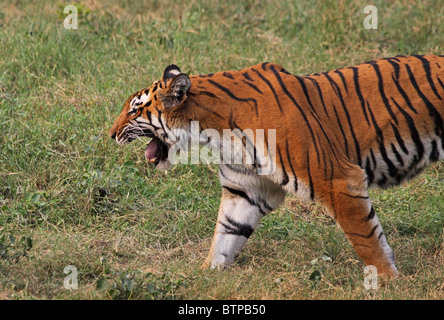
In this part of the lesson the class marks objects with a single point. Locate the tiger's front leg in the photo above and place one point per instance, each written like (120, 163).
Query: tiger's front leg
(236, 221)
(239, 214)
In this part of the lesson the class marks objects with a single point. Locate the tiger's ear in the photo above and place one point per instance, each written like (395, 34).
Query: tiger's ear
(170, 72)
(176, 92)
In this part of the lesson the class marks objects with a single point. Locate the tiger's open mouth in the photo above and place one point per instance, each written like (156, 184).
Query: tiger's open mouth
(157, 153)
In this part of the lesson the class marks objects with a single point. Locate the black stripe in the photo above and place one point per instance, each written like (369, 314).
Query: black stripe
(247, 76)
(341, 75)
(404, 95)
(245, 139)
(148, 114)
(304, 116)
(324, 158)
(380, 140)
(395, 67)
(320, 95)
(359, 93)
(270, 86)
(285, 177)
(159, 118)
(369, 172)
(439, 80)
(397, 155)
(268, 151)
(137, 127)
(347, 115)
(239, 193)
(312, 194)
(227, 75)
(232, 96)
(413, 131)
(304, 89)
(221, 171)
(426, 66)
(434, 154)
(432, 110)
(381, 182)
(342, 131)
(314, 113)
(315, 116)
(399, 138)
(243, 195)
(291, 167)
(363, 236)
(236, 228)
(375, 164)
(382, 92)
(332, 170)
(230, 120)
(285, 71)
(371, 215)
(253, 86)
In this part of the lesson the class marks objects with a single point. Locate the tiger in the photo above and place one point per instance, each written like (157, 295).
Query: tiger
(338, 134)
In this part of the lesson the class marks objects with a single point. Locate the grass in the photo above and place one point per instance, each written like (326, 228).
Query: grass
(70, 196)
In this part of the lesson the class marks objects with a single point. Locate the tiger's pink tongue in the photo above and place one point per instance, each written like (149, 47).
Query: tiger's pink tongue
(151, 150)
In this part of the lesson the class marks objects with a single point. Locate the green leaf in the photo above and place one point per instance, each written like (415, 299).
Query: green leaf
(101, 284)
(150, 287)
(28, 243)
(35, 198)
(12, 239)
(315, 275)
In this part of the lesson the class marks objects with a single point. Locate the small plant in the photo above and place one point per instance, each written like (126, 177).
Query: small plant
(162, 288)
(318, 266)
(12, 250)
(137, 285)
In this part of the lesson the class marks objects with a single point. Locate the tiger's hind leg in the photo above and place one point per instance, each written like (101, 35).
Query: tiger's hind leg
(348, 202)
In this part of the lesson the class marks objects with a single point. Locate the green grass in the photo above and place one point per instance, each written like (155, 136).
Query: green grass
(70, 196)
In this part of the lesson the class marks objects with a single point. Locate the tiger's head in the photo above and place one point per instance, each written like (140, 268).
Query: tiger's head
(146, 112)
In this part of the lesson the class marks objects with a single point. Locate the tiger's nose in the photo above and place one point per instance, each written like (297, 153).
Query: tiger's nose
(113, 135)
